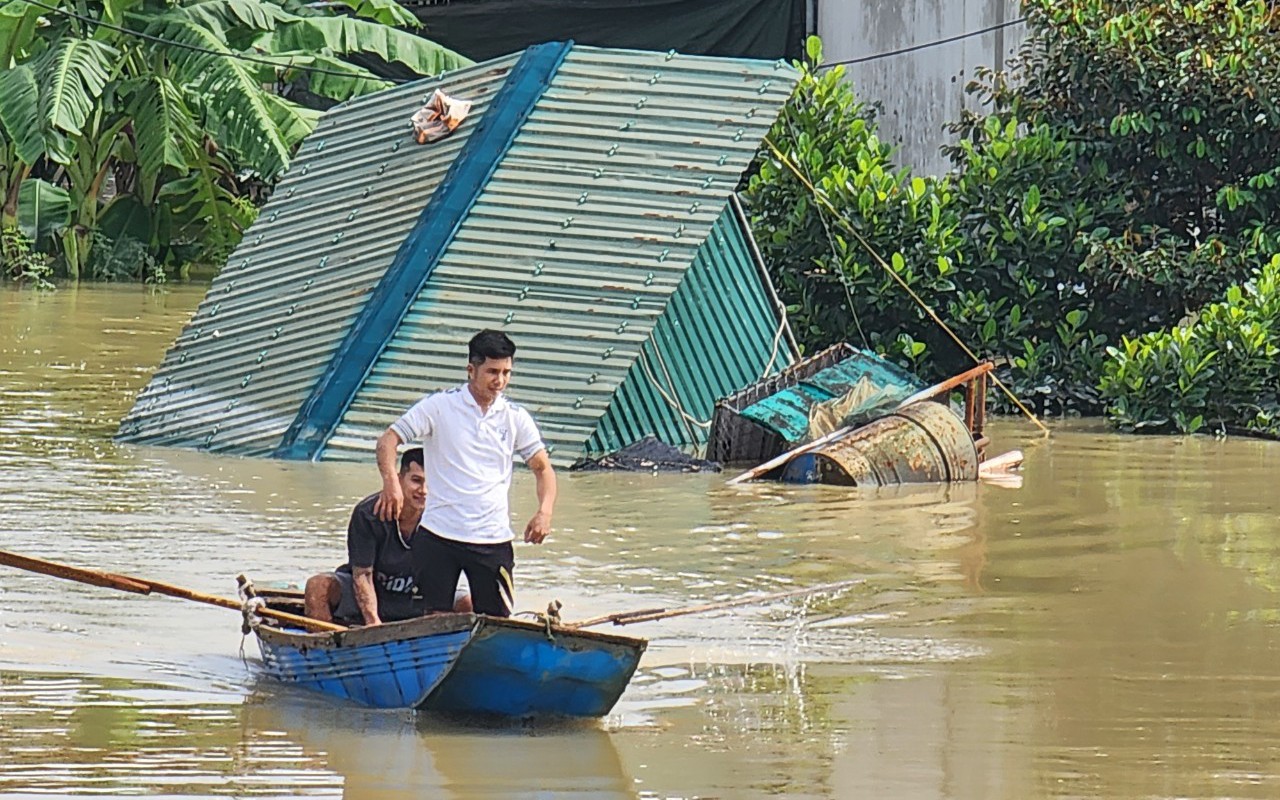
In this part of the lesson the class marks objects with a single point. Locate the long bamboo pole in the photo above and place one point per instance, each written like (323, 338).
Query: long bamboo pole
(129, 583)
(650, 614)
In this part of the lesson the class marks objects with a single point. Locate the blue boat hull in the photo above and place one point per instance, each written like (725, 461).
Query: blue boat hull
(380, 672)
(459, 663)
(530, 671)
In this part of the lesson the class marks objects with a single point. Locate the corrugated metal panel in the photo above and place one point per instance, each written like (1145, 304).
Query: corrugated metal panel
(579, 240)
(720, 332)
(273, 317)
(421, 251)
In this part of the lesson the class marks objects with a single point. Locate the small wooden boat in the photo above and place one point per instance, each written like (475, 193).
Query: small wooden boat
(461, 663)
(458, 663)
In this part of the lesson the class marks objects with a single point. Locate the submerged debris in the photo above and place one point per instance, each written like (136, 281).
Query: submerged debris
(647, 455)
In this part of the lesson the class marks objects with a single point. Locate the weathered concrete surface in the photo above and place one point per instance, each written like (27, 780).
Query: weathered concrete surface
(917, 92)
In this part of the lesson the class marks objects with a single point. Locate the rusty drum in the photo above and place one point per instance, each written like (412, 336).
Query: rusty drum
(923, 443)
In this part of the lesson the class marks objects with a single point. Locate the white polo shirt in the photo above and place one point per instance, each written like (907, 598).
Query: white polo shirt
(468, 461)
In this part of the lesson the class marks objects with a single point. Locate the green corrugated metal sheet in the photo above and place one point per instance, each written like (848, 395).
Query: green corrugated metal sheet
(882, 384)
(575, 247)
(580, 238)
(721, 329)
(266, 331)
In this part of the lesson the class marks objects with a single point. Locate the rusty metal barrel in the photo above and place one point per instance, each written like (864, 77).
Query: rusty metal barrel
(922, 443)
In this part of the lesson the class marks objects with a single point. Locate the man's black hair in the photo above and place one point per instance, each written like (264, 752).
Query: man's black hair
(411, 456)
(490, 344)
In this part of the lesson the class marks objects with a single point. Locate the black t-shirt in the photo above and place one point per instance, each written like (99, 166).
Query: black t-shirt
(372, 542)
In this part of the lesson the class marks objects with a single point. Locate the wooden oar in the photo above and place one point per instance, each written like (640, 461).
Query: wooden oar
(923, 394)
(129, 583)
(650, 614)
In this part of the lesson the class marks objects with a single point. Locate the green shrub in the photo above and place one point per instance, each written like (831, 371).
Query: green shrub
(1220, 370)
(123, 259)
(834, 288)
(20, 261)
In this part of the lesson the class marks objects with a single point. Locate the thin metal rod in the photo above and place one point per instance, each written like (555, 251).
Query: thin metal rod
(650, 614)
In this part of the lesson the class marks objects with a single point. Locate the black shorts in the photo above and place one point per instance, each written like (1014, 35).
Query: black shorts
(489, 568)
(348, 611)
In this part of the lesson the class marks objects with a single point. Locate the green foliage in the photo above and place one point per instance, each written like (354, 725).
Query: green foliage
(20, 262)
(202, 216)
(1123, 174)
(1185, 91)
(221, 83)
(123, 259)
(835, 289)
(44, 210)
(184, 133)
(1167, 115)
(20, 112)
(1220, 370)
(74, 72)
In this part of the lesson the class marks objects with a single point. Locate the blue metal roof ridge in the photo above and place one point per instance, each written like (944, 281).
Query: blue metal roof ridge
(320, 414)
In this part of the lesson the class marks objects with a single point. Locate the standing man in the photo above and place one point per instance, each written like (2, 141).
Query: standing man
(470, 435)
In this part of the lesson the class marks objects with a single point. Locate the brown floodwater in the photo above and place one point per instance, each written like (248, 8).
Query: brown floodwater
(1107, 629)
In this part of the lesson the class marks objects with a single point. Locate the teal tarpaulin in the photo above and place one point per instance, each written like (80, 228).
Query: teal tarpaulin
(857, 388)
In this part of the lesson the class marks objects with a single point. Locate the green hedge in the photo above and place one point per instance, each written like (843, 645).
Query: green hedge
(1219, 371)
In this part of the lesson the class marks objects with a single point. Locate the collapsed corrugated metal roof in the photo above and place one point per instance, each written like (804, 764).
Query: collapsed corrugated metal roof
(583, 208)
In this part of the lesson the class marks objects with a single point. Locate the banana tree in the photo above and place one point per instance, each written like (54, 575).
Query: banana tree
(174, 100)
(21, 137)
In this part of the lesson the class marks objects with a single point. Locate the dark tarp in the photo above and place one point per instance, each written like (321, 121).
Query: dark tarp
(484, 29)
(650, 454)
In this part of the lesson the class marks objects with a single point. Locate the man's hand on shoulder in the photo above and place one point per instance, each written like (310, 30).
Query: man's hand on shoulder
(390, 501)
(538, 528)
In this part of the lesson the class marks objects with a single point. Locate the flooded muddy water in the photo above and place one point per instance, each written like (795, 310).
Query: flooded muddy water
(1107, 629)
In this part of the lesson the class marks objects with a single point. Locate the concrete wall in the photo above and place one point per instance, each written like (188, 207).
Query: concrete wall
(921, 91)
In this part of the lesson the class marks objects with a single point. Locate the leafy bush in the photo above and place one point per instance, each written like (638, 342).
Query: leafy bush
(834, 288)
(1220, 370)
(20, 262)
(1121, 175)
(123, 259)
(1165, 137)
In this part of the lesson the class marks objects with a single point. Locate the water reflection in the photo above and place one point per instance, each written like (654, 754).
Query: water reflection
(67, 734)
(390, 754)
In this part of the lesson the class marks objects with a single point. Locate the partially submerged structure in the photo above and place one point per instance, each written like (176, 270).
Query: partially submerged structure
(585, 207)
(847, 416)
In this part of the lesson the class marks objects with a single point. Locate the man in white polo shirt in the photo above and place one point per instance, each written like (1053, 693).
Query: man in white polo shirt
(470, 435)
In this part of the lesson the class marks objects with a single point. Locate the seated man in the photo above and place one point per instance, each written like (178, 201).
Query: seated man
(377, 584)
